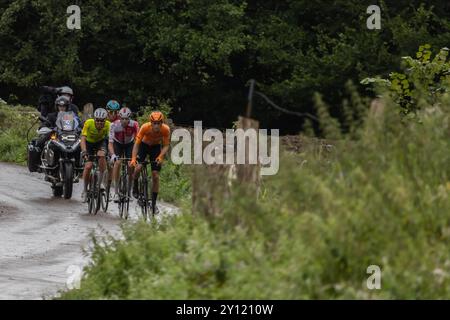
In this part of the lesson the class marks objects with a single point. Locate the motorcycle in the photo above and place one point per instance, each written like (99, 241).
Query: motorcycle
(60, 158)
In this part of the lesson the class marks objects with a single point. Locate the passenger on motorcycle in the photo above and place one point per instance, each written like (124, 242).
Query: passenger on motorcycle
(94, 141)
(121, 140)
(48, 98)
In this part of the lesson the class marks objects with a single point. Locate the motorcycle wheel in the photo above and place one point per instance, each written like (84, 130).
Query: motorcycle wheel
(68, 180)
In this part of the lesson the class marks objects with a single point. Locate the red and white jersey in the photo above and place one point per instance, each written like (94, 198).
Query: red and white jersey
(123, 135)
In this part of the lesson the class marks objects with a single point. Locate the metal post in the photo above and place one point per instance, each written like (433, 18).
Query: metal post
(250, 98)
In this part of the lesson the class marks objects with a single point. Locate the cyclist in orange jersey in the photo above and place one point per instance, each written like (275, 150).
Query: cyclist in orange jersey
(153, 140)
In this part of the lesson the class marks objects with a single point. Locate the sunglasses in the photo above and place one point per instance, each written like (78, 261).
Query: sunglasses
(99, 121)
(125, 119)
(156, 122)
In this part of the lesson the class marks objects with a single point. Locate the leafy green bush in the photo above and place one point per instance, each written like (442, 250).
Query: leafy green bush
(144, 112)
(424, 78)
(175, 186)
(383, 199)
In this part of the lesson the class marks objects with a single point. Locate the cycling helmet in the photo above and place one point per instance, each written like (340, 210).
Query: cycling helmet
(124, 113)
(156, 116)
(113, 105)
(62, 101)
(100, 113)
(65, 90)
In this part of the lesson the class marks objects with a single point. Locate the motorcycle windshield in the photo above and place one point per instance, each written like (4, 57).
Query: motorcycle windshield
(66, 121)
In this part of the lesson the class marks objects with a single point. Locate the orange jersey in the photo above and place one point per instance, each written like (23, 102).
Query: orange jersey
(148, 136)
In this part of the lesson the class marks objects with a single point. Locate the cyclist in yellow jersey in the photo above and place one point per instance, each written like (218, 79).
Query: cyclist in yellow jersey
(94, 141)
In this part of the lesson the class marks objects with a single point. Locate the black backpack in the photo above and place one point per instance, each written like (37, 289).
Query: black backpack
(46, 103)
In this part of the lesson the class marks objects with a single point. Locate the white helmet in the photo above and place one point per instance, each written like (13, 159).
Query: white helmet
(65, 90)
(125, 113)
(100, 113)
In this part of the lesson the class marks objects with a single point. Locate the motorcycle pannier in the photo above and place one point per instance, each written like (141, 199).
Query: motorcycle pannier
(33, 157)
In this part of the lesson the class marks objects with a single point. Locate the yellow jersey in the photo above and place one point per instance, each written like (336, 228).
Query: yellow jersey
(94, 135)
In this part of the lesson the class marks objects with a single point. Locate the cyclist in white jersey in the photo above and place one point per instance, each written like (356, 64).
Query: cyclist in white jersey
(121, 140)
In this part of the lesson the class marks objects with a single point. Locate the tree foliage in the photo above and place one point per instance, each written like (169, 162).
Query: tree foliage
(199, 54)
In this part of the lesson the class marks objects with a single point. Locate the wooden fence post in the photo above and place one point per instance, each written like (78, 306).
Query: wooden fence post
(249, 174)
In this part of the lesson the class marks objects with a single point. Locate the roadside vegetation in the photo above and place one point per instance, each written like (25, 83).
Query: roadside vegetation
(14, 124)
(383, 200)
(381, 196)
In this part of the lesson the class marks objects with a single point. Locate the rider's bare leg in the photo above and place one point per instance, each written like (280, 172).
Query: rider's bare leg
(86, 174)
(115, 175)
(130, 178)
(101, 165)
(136, 172)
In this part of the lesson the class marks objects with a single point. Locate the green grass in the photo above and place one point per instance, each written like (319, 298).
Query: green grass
(175, 183)
(381, 199)
(14, 123)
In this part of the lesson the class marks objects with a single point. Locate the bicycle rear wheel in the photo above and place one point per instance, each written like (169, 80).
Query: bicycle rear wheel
(126, 194)
(122, 195)
(105, 197)
(127, 206)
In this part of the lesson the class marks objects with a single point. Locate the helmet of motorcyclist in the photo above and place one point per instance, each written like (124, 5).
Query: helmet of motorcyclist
(62, 103)
(65, 90)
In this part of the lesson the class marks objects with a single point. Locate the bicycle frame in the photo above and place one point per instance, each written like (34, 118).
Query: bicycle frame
(124, 188)
(94, 194)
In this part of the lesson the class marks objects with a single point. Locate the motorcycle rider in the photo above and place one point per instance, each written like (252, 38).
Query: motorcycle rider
(94, 141)
(121, 141)
(49, 95)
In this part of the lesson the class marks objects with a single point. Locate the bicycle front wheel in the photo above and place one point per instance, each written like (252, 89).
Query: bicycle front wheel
(91, 194)
(105, 197)
(122, 195)
(144, 197)
(98, 193)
